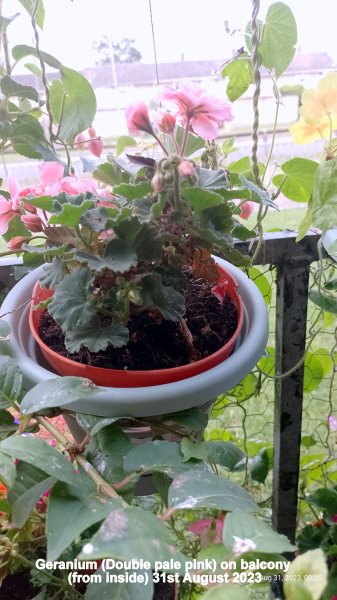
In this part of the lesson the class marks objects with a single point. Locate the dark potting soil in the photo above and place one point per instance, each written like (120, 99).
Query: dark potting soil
(154, 342)
(18, 587)
(163, 591)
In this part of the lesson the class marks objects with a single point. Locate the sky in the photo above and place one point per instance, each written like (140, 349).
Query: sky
(192, 28)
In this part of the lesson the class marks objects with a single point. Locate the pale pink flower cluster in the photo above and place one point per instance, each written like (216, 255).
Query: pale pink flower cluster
(94, 143)
(242, 545)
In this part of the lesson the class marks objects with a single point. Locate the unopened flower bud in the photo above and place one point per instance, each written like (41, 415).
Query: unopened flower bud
(246, 209)
(186, 169)
(32, 222)
(16, 242)
(165, 121)
(157, 183)
(79, 141)
(95, 146)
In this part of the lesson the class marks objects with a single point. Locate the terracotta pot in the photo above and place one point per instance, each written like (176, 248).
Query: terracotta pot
(120, 378)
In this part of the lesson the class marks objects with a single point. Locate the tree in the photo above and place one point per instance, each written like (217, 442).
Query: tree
(123, 51)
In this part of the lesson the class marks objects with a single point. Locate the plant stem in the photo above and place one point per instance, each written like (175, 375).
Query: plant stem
(277, 94)
(160, 143)
(101, 484)
(183, 145)
(176, 189)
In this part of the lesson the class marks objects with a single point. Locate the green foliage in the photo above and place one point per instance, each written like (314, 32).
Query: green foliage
(279, 36)
(73, 103)
(36, 9)
(195, 489)
(226, 454)
(7, 470)
(70, 305)
(107, 450)
(122, 591)
(165, 298)
(226, 592)
(29, 485)
(55, 392)
(10, 382)
(124, 141)
(10, 88)
(298, 179)
(240, 74)
(21, 51)
(324, 197)
(245, 526)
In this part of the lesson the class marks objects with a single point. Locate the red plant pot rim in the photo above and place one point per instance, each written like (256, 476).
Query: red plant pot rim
(126, 379)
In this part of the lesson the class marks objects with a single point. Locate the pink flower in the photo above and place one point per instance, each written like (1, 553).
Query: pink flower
(137, 119)
(32, 222)
(165, 121)
(209, 530)
(16, 242)
(203, 113)
(51, 173)
(186, 168)
(220, 289)
(332, 423)
(246, 209)
(9, 208)
(79, 141)
(334, 518)
(74, 186)
(95, 145)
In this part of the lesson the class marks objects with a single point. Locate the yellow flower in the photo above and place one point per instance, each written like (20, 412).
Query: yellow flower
(317, 104)
(303, 132)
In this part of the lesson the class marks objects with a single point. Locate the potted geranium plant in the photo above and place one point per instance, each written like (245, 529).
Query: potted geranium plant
(131, 295)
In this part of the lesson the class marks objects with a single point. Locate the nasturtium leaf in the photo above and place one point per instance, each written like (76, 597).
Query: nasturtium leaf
(124, 141)
(7, 470)
(323, 301)
(245, 389)
(243, 525)
(30, 484)
(158, 455)
(10, 381)
(261, 283)
(298, 179)
(127, 590)
(324, 195)
(317, 365)
(73, 103)
(226, 454)
(167, 300)
(11, 88)
(132, 533)
(200, 489)
(57, 392)
(70, 305)
(229, 591)
(22, 50)
(36, 452)
(242, 233)
(77, 508)
(132, 191)
(305, 223)
(279, 36)
(240, 74)
(95, 337)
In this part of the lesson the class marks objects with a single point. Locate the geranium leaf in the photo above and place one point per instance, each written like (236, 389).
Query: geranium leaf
(195, 489)
(132, 533)
(96, 338)
(10, 382)
(240, 75)
(210, 179)
(279, 36)
(36, 452)
(118, 257)
(70, 306)
(258, 195)
(200, 198)
(52, 273)
(57, 392)
(133, 191)
(30, 484)
(73, 103)
(142, 237)
(167, 300)
(77, 508)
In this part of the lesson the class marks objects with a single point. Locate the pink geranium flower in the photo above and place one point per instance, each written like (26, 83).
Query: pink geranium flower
(203, 113)
(209, 530)
(9, 208)
(137, 119)
(246, 209)
(165, 121)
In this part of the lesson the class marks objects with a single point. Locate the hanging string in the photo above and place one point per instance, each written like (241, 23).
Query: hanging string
(154, 43)
(257, 82)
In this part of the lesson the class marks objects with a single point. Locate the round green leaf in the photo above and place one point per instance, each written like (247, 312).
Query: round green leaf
(298, 179)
